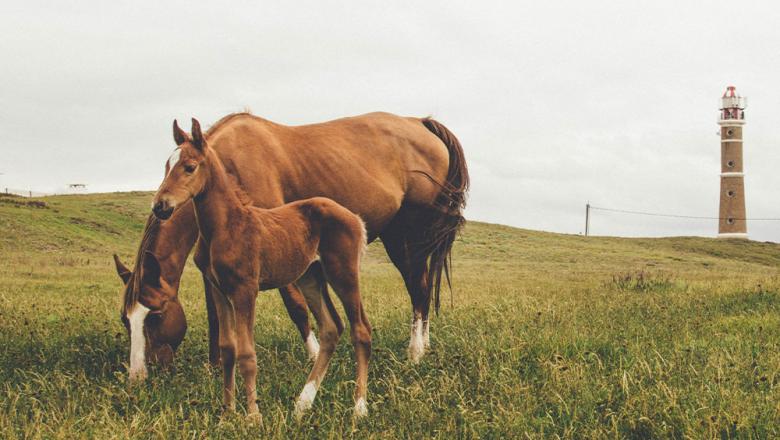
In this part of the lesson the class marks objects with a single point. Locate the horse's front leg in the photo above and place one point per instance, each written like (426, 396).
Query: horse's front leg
(202, 262)
(228, 343)
(213, 320)
(244, 306)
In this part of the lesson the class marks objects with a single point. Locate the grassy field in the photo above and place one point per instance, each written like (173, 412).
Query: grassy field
(548, 335)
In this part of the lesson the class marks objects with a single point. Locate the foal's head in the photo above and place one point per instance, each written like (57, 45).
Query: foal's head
(154, 319)
(185, 175)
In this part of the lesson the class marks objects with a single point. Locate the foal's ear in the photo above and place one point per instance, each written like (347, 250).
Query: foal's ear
(151, 271)
(179, 136)
(122, 270)
(197, 136)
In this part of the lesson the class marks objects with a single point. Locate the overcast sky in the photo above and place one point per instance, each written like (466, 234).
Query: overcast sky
(556, 103)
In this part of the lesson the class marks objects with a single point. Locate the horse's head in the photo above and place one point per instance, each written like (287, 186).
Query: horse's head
(155, 320)
(185, 177)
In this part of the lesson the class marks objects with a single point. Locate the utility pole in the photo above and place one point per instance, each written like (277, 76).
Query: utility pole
(587, 219)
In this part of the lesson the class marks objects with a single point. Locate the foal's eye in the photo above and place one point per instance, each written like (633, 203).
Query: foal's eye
(189, 168)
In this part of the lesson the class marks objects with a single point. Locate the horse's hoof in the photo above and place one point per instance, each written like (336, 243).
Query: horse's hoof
(416, 354)
(137, 377)
(361, 408)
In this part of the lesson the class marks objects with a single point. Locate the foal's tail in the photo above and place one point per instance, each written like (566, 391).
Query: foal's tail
(448, 217)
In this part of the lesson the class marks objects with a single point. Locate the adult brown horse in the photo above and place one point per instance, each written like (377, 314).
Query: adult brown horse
(406, 177)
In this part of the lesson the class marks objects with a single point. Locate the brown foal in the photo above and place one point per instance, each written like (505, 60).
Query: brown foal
(250, 248)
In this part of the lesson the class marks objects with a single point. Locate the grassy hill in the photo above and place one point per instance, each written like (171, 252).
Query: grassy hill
(545, 335)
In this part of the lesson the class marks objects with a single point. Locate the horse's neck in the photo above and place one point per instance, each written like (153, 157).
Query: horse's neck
(218, 202)
(174, 242)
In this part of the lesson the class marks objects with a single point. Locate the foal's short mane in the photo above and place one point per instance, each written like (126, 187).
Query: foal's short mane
(132, 291)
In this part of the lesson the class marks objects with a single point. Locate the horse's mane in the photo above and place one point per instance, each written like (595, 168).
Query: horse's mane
(148, 241)
(234, 181)
(229, 117)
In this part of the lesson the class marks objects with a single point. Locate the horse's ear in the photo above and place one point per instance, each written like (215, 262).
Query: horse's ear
(197, 136)
(151, 271)
(179, 136)
(122, 270)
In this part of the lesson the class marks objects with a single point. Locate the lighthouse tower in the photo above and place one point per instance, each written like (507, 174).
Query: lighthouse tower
(732, 223)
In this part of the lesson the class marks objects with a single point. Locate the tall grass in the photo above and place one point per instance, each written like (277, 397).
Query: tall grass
(548, 335)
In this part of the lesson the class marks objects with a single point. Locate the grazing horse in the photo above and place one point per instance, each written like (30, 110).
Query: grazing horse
(405, 177)
(250, 248)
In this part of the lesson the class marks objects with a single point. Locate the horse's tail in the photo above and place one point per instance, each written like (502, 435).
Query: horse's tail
(448, 213)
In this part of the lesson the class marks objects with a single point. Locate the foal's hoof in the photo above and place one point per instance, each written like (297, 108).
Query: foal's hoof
(302, 406)
(361, 408)
(255, 418)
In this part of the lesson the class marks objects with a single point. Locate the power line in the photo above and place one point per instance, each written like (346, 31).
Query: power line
(656, 214)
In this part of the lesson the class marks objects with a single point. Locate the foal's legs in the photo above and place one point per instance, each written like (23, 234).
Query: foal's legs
(295, 303)
(201, 259)
(237, 343)
(244, 309)
(314, 289)
(341, 270)
(227, 346)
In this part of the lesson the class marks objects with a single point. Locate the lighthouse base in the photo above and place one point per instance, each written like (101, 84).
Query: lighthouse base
(742, 235)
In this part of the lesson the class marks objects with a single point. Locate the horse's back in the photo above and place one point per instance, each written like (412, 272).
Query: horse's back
(370, 164)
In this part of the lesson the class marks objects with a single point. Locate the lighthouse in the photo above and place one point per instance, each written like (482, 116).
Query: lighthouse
(732, 222)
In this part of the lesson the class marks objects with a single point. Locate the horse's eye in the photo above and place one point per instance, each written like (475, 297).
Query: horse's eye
(189, 168)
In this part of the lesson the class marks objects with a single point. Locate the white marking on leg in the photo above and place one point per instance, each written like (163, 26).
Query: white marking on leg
(174, 159)
(306, 399)
(361, 408)
(426, 334)
(312, 346)
(136, 318)
(416, 346)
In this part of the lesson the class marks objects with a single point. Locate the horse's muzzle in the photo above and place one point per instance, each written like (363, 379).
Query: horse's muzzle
(162, 210)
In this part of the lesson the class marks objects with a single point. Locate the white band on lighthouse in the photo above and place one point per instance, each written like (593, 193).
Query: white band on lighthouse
(732, 235)
(732, 174)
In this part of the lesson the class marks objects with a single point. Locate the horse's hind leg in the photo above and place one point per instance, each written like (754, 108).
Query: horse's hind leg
(295, 303)
(406, 249)
(315, 290)
(342, 271)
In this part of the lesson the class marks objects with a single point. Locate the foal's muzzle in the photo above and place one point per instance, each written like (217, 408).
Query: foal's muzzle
(162, 210)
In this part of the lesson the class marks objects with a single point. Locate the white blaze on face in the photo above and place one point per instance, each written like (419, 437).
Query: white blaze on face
(174, 159)
(416, 344)
(136, 318)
